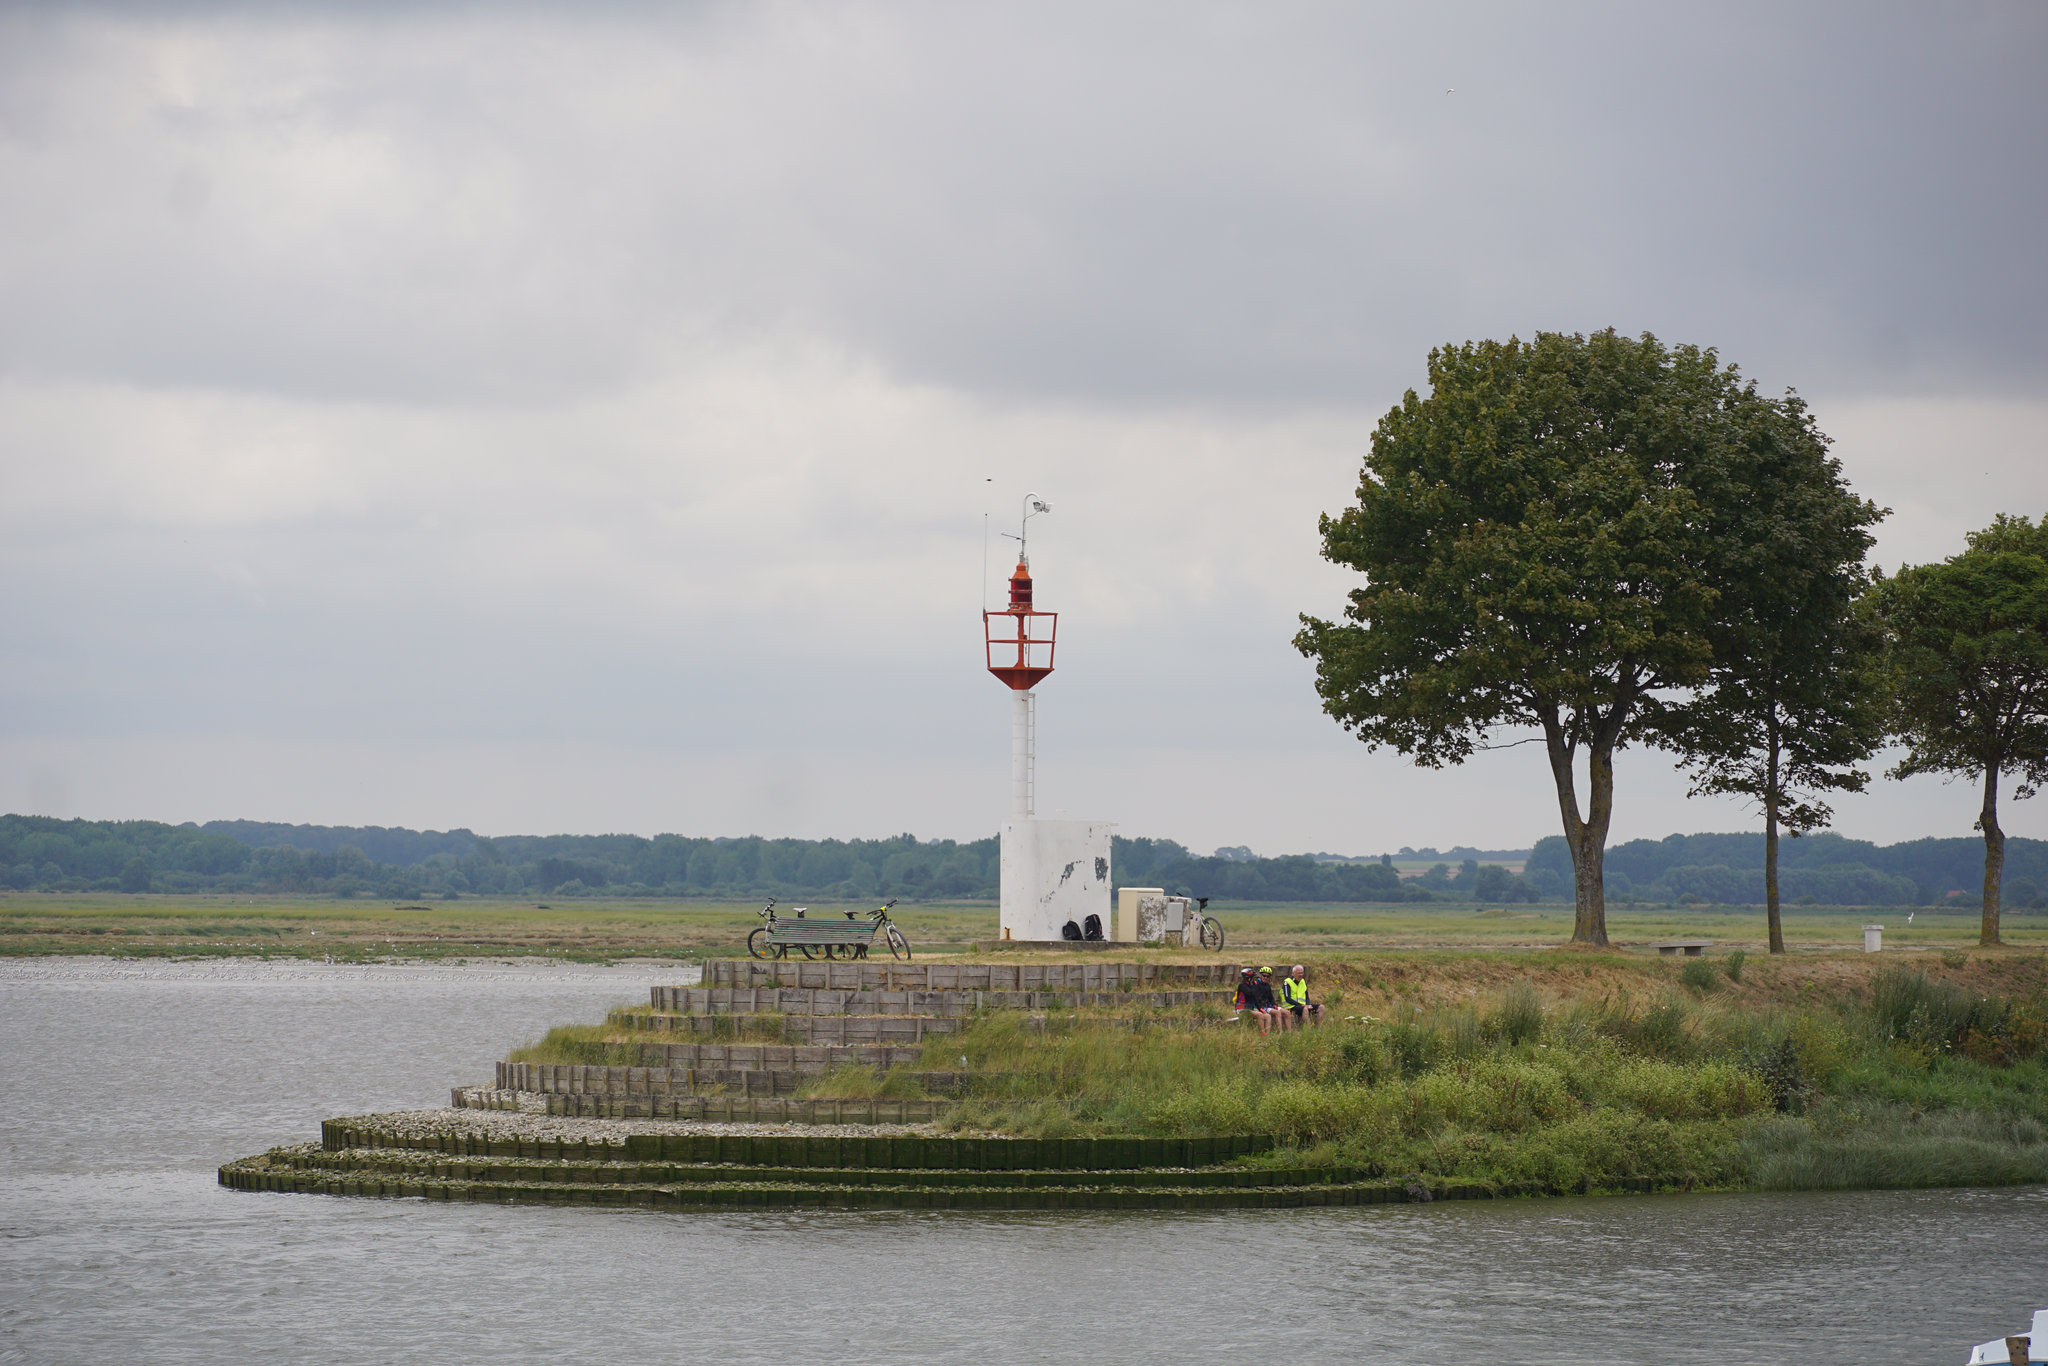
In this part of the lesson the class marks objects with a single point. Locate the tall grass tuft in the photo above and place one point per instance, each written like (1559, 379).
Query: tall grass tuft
(1909, 1005)
(865, 1083)
(579, 1045)
(1894, 1147)
(1520, 1017)
(1700, 975)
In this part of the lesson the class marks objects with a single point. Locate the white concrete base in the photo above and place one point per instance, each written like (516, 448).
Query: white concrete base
(1053, 872)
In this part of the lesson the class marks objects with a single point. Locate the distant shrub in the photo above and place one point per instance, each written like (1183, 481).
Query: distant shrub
(1733, 967)
(1699, 974)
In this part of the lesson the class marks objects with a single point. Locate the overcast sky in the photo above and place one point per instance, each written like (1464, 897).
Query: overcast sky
(584, 418)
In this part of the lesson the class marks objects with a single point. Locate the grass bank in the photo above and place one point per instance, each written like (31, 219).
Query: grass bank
(1542, 1073)
(1581, 1076)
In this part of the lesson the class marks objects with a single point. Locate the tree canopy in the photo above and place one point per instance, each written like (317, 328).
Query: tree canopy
(1967, 656)
(1546, 540)
(1793, 700)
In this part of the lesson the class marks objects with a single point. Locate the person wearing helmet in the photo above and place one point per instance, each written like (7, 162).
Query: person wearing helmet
(1294, 1000)
(1256, 995)
(1266, 997)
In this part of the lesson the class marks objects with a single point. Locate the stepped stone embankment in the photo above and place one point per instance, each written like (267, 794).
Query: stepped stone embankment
(824, 1056)
(883, 1001)
(724, 1109)
(900, 1030)
(573, 1079)
(685, 1124)
(745, 972)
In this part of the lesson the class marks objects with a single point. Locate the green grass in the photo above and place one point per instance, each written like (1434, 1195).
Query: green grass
(580, 1045)
(1863, 1147)
(363, 931)
(599, 930)
(1604, 1090)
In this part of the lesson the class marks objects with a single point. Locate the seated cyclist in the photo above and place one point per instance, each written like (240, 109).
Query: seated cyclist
(1257, 997)
(1294, 999)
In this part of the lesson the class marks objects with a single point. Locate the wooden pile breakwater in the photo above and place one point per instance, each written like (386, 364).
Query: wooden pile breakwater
(765, 1171)
(760, 1033)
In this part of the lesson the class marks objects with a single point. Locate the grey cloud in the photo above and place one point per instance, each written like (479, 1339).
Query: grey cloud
(588, 413)
(1275, 207)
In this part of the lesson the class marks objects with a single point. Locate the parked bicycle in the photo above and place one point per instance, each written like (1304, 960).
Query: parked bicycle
(899, 947)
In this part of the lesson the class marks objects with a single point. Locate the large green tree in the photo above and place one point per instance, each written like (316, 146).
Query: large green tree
(1967, 645)
(1793, 700)
(1546, 540)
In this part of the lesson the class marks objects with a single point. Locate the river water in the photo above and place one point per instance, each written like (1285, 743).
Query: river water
(127, 1084)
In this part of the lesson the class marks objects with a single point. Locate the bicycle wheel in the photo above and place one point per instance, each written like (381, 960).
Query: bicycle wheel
(899, 947)
(758, 945)
(1212, 934)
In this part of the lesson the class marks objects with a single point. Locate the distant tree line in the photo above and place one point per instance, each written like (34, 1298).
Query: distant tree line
(234, 856)
(44, 854)
(1821, 868)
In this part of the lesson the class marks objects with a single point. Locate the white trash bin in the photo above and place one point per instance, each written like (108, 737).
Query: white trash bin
(1873, 938)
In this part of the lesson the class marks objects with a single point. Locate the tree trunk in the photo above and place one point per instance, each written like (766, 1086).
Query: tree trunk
(1994, 855)
(1586, 838)
(1777, 925)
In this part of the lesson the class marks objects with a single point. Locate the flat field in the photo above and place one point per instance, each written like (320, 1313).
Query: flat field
(596, 930)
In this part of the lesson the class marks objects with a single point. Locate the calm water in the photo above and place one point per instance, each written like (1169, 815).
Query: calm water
(128, 1085)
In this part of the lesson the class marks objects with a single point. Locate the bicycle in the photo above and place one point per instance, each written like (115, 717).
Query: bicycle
(899, 947)
(757, 942)
(1210, 929)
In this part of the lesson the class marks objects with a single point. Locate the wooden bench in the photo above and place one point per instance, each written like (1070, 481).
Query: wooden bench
(831, 934)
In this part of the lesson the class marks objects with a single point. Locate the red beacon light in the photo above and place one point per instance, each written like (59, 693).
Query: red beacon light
(1020, 638)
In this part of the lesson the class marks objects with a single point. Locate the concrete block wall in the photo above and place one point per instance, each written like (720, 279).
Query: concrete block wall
(748, 1109)
(747, 972)
(579, 1080)
(812, 1001)
(899, 1030)
(778, 1055)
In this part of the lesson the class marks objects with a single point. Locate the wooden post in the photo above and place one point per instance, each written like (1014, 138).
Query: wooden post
(2016, 1349)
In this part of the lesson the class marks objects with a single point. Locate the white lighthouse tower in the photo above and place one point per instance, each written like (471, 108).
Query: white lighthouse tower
(1053, 872)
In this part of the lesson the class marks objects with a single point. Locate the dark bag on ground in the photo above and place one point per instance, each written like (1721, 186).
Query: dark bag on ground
(1091, 928)
(1070, 931)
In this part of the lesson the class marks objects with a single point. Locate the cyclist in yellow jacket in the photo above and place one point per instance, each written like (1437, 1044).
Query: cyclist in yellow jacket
(1294, 999)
